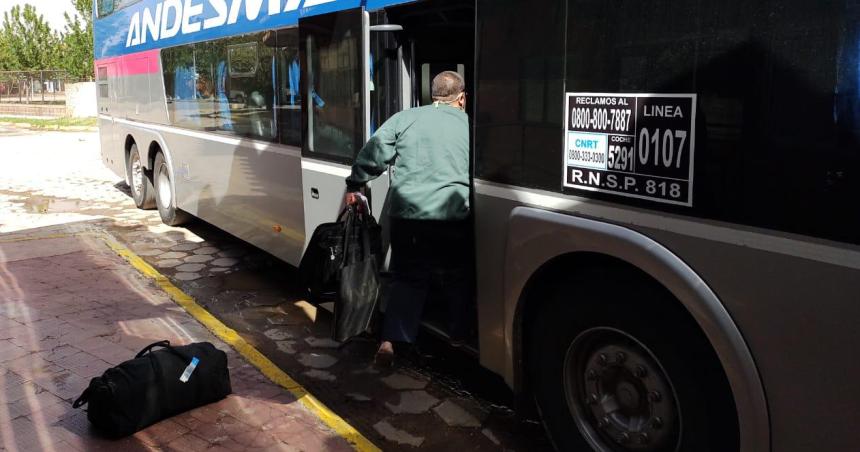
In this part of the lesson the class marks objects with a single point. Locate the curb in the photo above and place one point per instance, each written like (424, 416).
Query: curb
(251, 354)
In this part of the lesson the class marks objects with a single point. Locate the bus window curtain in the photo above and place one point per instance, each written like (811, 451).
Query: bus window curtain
(294, 77)
(185, 93)
(226, 118)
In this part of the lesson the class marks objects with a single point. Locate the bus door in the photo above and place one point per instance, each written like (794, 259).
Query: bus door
(355, 76)
(429, 37)
(333, 49)
(106, 86)
(389, 92)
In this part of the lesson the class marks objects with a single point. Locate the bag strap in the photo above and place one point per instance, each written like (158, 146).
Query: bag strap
(82, 400)
(362, 221)
(148, 348)
(166, 345)
(365, 236)
(351, 213)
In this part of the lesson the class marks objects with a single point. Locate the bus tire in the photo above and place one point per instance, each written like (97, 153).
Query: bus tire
(165, 195)
(627, 369)
(139, 182)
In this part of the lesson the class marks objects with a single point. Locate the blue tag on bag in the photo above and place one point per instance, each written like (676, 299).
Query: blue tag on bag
(189, 370)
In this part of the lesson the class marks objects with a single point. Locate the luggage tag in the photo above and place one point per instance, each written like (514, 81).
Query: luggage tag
(189, 370)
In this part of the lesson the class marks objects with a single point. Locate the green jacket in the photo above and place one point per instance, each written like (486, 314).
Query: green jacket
(428, 149)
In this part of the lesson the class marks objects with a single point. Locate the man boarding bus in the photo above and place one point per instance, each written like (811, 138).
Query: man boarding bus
(427, 149)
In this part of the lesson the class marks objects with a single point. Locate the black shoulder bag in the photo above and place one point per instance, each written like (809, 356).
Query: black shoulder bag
(319, 269)
(359, 285)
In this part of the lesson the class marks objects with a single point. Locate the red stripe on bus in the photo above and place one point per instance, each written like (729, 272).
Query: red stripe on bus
(139, 63)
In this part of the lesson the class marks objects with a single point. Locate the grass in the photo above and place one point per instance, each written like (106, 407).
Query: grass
(53, 123)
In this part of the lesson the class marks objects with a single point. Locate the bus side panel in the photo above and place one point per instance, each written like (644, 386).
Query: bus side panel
(136, 92)
(251, 189)
(491, 220)
(800, 318)
(140, 90)
(536, 236)
(797, 314)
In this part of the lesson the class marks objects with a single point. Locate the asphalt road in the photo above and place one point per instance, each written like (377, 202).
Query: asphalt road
(440, 399)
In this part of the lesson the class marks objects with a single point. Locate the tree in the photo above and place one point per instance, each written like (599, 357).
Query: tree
(27, 42)
(77, 54)
(6, 62)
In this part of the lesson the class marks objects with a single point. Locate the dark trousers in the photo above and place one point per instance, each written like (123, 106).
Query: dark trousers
(428, 259)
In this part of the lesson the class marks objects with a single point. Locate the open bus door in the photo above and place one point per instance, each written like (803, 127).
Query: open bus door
(335, 84)
(354, 76)
(410, 45)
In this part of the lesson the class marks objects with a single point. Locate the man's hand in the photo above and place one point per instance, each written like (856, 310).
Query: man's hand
(352, 198)
(357, 198)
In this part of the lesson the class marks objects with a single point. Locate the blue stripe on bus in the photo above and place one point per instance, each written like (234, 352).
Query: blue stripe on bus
(130, 30)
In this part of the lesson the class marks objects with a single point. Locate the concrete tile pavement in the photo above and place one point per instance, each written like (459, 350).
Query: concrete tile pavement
(69, 309)
(55, 183)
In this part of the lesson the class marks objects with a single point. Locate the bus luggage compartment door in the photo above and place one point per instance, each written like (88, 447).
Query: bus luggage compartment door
(111, 150)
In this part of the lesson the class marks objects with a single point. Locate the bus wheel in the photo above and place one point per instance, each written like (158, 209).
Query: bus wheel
(165, 195)
(626, 369)
(138, 182)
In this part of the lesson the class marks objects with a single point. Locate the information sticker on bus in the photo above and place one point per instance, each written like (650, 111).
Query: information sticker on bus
(636, 145)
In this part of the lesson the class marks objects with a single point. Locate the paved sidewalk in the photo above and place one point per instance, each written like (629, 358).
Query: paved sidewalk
(69, 309)
(53, 182)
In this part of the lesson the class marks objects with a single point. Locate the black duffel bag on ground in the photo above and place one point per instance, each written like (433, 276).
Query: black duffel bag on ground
(155, 385)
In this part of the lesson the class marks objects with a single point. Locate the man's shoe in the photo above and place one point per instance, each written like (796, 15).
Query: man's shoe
(384, 354)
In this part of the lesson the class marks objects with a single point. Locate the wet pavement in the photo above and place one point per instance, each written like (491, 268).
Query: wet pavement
(437, 400)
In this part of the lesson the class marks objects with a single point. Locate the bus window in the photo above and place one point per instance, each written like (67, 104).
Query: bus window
(108, 7)
(775, 89)
(287, 75)
(103, 82)
(243, 59)
(386, 85)
(188, 92)
(224, 86)
(332, 83)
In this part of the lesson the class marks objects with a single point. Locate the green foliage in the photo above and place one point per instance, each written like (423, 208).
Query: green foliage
(55, 123)
(77, 55)
(27, 42)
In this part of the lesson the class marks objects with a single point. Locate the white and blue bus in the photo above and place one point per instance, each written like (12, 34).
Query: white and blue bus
(667, 246)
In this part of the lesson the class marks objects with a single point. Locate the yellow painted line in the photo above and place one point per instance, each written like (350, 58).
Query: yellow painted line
(230, 336)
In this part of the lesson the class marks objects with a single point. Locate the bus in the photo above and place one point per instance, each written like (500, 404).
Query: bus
(667, 256)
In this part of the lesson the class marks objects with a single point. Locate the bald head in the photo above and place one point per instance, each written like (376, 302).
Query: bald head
(447, 86)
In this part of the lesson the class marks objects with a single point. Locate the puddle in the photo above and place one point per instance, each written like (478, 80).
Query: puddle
(41, 204)
(38, 204)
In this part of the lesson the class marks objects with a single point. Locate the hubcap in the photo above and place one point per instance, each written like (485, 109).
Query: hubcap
(164, 194)
(619, 394)
(136, 175)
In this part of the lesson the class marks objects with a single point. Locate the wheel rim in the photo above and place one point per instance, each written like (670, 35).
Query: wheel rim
(164, 194)
(136, 175)
(619, 394)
